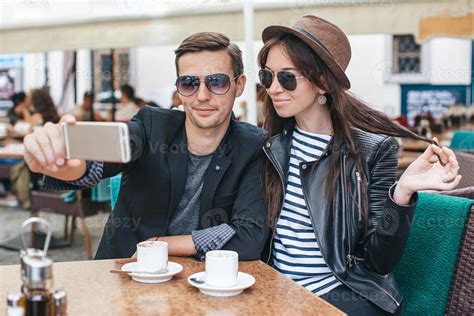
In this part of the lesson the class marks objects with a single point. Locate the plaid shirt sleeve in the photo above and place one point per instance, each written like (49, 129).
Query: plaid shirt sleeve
(212, 238)
(94, 171)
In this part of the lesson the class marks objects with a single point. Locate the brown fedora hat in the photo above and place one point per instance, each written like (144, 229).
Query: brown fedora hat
(326, 39)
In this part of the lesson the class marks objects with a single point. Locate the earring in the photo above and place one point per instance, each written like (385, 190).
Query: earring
(322, 99)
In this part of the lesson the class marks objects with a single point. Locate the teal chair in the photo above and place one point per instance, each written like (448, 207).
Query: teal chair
(425, 273)
(115, 189)
(101, 192)
(463, 140)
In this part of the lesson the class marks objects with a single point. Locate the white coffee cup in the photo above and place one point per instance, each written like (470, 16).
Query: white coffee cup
(222, 268)
(152, 255)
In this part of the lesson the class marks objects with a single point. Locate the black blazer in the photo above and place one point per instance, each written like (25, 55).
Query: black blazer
(153, 183)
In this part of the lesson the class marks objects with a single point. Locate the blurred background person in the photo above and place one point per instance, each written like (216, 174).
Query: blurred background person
(243, 111)
(20, 177)
(84, 111)
(43, 105)
(153, 104)
(20, 109)
(18, 112)
(140, 102)
(176, 103)
(127, 107)
(38, 108)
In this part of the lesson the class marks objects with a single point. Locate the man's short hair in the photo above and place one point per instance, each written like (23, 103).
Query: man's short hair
(210, 41)
(128, 91)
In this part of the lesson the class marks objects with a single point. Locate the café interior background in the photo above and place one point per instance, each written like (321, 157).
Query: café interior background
(408, 57)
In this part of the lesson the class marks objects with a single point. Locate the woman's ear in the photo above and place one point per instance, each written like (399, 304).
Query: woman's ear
(325, 87)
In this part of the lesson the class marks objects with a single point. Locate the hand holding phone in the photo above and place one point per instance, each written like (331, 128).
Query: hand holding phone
(45, 152)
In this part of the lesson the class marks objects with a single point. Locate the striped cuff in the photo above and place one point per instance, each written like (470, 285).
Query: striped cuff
(94, 171)
(212, 238)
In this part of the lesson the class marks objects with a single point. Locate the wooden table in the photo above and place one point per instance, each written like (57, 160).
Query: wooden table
(93, 290)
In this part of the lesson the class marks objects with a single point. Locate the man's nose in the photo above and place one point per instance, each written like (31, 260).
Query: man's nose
(203, 93)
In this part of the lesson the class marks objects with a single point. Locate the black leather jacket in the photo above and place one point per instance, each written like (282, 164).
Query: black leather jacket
(363, 259)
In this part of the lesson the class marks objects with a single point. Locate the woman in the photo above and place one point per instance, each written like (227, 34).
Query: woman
(340, 221)
(43, 104)
(45, 111)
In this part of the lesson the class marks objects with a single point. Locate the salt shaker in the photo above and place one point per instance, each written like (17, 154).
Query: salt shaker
(15, 304)
(59, 303)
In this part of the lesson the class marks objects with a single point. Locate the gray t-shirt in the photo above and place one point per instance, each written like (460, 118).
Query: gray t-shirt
(186, 218)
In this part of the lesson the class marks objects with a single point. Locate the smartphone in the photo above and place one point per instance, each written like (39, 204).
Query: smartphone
(109, 142)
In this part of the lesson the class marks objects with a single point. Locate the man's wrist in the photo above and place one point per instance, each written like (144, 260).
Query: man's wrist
(181, 245)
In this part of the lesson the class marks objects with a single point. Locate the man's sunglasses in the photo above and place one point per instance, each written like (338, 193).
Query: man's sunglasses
(287, 79)
(216, 83)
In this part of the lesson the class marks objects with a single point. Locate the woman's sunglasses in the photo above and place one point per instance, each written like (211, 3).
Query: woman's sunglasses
(216, 83)
(287, 79)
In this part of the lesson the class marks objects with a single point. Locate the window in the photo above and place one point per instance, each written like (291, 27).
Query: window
(104, 73)
(123, 66)
(406, 57)
(103, 69)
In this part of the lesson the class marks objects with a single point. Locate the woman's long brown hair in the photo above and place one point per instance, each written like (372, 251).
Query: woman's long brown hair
(346, 112)
(44, 105)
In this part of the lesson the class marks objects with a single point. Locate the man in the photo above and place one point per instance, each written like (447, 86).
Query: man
(194, 178)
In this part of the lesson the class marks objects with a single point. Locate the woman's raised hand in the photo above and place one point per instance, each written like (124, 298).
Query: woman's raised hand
(427, 173)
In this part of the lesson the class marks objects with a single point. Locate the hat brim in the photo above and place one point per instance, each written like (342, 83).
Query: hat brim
(274, 30)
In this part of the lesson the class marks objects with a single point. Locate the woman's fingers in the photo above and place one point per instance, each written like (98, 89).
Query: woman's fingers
(453, 162)
(450, 185)
(443, 156)
(428, 153)
(450, 153)
(434, 149)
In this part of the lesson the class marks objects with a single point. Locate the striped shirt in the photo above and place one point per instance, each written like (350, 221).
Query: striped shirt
(296, 251)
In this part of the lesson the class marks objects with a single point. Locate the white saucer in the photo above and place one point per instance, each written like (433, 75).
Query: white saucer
(173, 268)
(244, 281)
